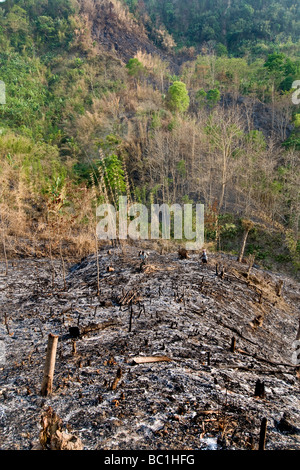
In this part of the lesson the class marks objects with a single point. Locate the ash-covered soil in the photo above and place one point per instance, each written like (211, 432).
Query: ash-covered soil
(202, 398)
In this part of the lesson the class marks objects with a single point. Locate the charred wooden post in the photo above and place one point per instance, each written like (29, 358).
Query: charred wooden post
(222, 273)
(233, 344)
(117, 379)
(263, 434)
(46, 388)
(279, 287)
(130, 318)
(74, 332)
(217, 269)
(208, 358)
(259, 389)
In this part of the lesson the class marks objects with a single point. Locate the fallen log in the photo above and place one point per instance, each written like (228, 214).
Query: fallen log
(146, 359)
(97, 327)
(267, 361)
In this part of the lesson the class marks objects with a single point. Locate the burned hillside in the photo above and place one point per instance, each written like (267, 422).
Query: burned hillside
(170, 355)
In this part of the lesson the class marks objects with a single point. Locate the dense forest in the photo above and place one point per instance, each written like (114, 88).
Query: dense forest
(204, 115)
(238, 27)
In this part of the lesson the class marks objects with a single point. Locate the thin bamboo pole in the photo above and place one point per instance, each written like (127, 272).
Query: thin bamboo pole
(46, 388)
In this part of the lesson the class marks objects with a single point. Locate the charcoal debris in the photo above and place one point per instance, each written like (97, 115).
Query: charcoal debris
(206, 395)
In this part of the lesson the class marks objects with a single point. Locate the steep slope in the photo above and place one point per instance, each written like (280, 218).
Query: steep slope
(117, 30)
(206, 395)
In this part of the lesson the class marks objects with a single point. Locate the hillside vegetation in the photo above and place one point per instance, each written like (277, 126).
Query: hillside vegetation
(155, 102)
(240, 27)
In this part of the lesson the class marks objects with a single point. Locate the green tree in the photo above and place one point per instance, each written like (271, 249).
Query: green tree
(135, 68)
(113, 172)
(18, 27)
(201, 97)
(282, 69)
(213, 97)
(178, 97)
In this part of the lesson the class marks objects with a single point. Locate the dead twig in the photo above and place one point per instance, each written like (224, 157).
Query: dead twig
(4, 251)
(63, 266)
(6, 323)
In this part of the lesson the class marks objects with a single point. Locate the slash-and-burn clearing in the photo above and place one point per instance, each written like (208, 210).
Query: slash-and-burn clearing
(169, 355)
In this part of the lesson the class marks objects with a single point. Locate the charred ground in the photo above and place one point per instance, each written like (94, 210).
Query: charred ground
(202, 398)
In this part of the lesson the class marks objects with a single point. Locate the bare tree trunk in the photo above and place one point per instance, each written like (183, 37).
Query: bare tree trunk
(247, 225)
(245, 236)
(223, 184)
(46, 388)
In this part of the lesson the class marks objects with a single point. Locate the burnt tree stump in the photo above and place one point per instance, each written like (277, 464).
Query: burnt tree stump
(263, 434)
(117, 379)
(279, 287)
(259, 389)
(183, 253)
